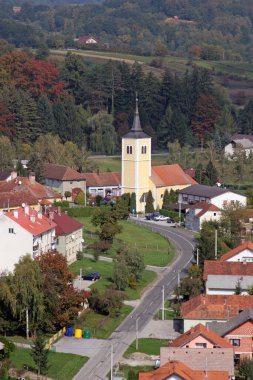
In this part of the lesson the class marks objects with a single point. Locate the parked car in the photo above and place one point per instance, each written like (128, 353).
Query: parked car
(151, 216)
(171, 222)
(161, 218)
(93, 276)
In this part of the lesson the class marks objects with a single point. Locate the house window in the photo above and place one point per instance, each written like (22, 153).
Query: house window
(161, 195)
(200, 345)
(235, 342)
(11, 230)
(143, 149)
(214, 214)
(129, 149)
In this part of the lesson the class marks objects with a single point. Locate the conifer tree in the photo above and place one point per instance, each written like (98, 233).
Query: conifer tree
(166, 198)
(40, 354)
(149, 207)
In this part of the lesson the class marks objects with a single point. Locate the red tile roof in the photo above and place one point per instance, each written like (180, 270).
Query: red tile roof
(196, 331)
(65, 224)
(235, 251)
(36, 226)
(191, 172)
(14, 199)
(61, 173)
(37, 190)
(102, 179)
(208, 306)
(204, 207)
(227, 268)
(170, 175)
(183, 371)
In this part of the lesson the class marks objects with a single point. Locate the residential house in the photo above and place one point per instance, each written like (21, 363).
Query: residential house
(10, 200)
(24, 231)
(86, 40)
(217, 196)
(199, 213)
(222, 277)
(200, 336)
(63, 178)
(176, 370)
(68, 231)
(103, 183)
(23, 185)
(239, 140)
(243, 252)
(208, 308)
(7, 175)
(238, 331)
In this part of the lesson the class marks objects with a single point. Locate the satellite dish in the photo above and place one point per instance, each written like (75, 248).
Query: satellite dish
(23, 205)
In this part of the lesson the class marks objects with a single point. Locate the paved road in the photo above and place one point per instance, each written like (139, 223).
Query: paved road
(99, 366)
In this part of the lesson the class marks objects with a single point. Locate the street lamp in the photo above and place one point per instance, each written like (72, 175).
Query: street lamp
(136, 330)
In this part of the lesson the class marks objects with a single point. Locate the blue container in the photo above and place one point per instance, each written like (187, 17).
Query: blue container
(69, 331)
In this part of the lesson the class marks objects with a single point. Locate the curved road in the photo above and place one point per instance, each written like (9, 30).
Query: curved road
(99, 366)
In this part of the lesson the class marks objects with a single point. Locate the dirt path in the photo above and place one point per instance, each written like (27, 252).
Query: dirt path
(22, 374)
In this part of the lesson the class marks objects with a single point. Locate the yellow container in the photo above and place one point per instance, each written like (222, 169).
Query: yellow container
(78, 333)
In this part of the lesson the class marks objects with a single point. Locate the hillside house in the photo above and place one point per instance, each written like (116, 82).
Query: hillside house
(238, 331)
(222, 277)
(86, 40)
(238, 140)
(24, 231)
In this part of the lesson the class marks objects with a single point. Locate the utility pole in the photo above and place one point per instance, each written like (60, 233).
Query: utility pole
(163, 303)
(27, 322)
(111, 361)
(215, 244)
(136, 329)
(197, 257)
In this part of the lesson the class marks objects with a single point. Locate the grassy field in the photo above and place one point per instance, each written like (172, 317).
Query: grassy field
(101, 326)
(61, 366)
(114, 163)
(89, 265)
(125, 369)
(175, 64)
(155, 248)
(147, 346)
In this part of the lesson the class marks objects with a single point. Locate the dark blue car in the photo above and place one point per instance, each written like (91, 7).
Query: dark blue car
(93, 276)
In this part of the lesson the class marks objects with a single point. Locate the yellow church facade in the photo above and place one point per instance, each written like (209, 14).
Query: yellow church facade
(137, 174)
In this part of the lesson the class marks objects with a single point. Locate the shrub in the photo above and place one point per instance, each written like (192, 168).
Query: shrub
(80, 199)
(79, 255)
(76, 212)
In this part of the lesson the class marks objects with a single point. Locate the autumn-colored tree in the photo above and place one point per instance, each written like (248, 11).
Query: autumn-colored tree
(204, 116)
(62, 300)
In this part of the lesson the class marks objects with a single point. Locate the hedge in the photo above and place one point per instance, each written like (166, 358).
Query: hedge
(170, 213)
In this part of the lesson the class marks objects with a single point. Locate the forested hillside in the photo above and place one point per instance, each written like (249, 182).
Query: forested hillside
(217, 29)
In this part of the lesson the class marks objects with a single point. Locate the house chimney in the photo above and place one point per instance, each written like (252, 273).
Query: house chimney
(15, 214)
(51, 215)
(26, 208)
(32, 218)
(32, 178)
(39, 215)
(59, 210)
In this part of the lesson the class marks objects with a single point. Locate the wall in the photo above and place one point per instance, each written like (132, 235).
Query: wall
(189, 323)
(245, 334)
(199, 339)
(69, 245)
(13, 246)
(228, 197)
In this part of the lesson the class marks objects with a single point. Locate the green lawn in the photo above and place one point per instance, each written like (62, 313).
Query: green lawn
(147, 346)
(89, 265)
(101, 326)
(155, 248)
(114, 163)
(61, 366)
(125, 369)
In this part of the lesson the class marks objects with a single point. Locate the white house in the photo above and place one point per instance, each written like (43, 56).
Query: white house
(103, 183)
(218, 196)
(242, 253)
(244, 141)
(199, 213)
(24, 231)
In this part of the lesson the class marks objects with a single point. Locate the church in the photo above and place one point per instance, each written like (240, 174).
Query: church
(139, 176)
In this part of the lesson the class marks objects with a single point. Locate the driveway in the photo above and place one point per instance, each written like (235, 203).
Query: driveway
(83, 347)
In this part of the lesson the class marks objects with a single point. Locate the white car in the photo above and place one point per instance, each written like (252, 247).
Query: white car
(160, 218)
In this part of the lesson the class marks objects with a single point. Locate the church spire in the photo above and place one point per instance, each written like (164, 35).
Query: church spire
(136, 127)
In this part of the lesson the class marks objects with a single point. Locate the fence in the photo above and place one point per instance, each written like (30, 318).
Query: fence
(54, 338)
